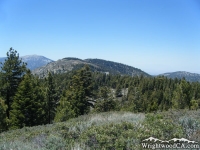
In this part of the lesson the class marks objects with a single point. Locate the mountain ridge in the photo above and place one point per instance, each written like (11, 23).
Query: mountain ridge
(191, 77)
(40, 65)
(116, 66)
(33, 61)
(69, 63)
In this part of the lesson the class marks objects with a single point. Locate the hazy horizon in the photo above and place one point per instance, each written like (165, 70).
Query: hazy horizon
(118, 62)
(154, 36)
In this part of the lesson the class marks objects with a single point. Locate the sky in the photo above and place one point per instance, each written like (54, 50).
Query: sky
(156, 36)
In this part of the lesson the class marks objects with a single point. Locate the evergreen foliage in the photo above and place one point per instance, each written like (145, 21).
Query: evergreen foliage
(81, 89)
(3, 118)
(28, 104)
(51, 98)
(105, 105)
(146, 94)
(12, 72)
(105, 102)
(76, 100)
(65, 110)
(118, 92)
(116, 68)
(27, 100)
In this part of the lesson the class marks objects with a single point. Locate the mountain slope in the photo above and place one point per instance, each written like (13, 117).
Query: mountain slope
(33, 61)
(192, 77)
(117, 68)
(61, 66)
(69, 64)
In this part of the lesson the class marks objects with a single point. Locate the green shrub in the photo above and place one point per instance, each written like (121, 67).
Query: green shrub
(111, 136)
(157, 126)
(55, 143)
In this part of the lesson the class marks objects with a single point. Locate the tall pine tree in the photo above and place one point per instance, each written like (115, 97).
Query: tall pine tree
(81, 88)
(12, 71)
(77, 98)
(65, 110)
(51, 98)
(106, 101)
(28, 104)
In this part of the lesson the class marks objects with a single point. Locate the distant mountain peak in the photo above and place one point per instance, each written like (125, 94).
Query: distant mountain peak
(35, 61)
(33, 56)
(192, 77)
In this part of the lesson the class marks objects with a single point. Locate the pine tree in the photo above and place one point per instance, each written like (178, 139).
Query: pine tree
(51, 97)
(11, 74)
(105, 102)
(182, 95)
(104, 92)
(81, 91)
(167, 96)
(105, 105)
(77, 98)
(64, 109)
(28, 104)
(187, 93)
(118, 92)
(137, 100)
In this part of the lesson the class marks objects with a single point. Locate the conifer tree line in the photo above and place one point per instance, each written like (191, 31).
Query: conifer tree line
(26, 100)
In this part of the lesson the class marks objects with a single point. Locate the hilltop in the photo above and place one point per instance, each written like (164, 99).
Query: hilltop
(68, 64)
(192, 77)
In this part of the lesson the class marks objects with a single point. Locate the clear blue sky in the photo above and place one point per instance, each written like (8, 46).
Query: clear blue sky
(156, 36)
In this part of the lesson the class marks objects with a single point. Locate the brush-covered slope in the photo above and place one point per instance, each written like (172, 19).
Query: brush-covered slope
(192, 77)
(75, 134)
(110, 130)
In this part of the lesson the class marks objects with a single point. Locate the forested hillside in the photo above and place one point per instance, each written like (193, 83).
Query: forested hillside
(117, 68)
(26, 100)
(62, 96)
